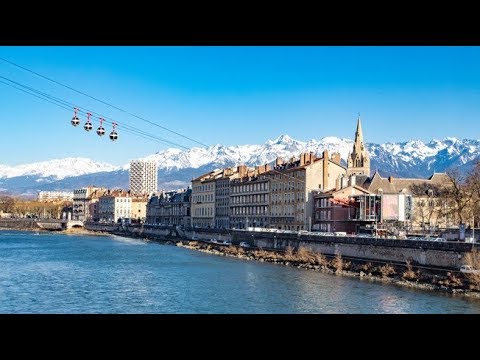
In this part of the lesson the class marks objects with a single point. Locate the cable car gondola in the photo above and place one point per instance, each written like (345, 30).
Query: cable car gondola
(75, 120)
(113, 134)
(88, 125)
(101, 130)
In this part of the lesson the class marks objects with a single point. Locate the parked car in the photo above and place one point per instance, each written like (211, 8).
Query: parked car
(227, 242)
(439, 239)
(244, 244)
(467, 269)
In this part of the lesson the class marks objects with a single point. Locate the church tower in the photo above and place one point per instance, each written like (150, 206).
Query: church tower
(358, 162)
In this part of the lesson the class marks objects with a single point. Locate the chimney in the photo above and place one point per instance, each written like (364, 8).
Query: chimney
(242, 170)
(353, 180)
(336, 158)
(325, 171)
(302, 158)
(338, 182)
(390, 179)
(279, 161)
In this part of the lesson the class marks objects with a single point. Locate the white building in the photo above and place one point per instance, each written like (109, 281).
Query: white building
(114, 205)
(143, 177)
(55, 196)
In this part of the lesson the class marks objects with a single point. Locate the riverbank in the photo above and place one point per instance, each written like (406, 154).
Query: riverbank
(71, 231)
(410, 276)
(82, 231)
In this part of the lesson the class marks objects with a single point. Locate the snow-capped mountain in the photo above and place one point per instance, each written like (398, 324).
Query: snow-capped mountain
(58, 168)
(220, 156)
(176, 167)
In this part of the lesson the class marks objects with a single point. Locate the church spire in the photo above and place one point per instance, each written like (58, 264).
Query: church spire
(359, 132)
(358, 161)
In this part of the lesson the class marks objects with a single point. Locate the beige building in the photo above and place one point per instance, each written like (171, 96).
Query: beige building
(222, 194)
(203, 200)
(50, 196)
(292, 186)
(115, 205)
(139, 207)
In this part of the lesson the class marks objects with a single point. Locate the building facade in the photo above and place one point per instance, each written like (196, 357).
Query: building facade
(223, 192)
(250, 199)
(50, 196)
(83, 200)
(115, 205)
(335, 210)
(170, 208)
(143, 177)
(203, 199)
(139, 207)
(292, 186)
(429, 210)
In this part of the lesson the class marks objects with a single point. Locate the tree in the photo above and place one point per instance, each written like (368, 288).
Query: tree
(7, 204)
(459, 193)
(473, 184)
(429, 203)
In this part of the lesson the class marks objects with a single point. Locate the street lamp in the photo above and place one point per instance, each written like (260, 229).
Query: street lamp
(473, 231)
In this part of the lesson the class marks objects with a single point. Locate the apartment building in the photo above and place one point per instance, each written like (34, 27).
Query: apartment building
(139, 207)
(50, 196)
(170, 208)
(292, 186)
(143, 177)
(84, 202)
(222, 194)
(203, 199)
(250, 199)
(335, 210)
(114, 205)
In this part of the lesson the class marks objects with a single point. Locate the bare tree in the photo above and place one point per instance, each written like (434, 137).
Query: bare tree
(429, 204)
(7, 204)
(459, 193)
(473, 184)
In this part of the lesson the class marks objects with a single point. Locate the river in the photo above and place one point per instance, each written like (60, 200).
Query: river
(58, 273)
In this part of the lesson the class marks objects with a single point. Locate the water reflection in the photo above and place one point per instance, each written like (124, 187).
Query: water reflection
(53, 273)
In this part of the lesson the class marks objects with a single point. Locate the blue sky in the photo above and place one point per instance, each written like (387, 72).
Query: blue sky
(236, 95)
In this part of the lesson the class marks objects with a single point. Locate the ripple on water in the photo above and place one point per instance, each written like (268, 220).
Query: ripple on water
(55, 273)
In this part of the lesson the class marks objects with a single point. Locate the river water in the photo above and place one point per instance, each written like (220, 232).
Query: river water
(58, 273)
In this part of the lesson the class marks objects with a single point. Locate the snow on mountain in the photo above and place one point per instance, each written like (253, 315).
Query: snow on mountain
(57, 169)
(413, 158)
(283, 146)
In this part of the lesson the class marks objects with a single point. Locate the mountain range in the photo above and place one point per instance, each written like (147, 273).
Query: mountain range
(412, 159)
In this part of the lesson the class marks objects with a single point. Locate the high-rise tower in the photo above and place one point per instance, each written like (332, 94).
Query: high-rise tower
(358, 161)
(143, 177)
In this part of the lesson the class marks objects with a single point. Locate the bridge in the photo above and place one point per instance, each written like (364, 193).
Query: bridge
(58, 224)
